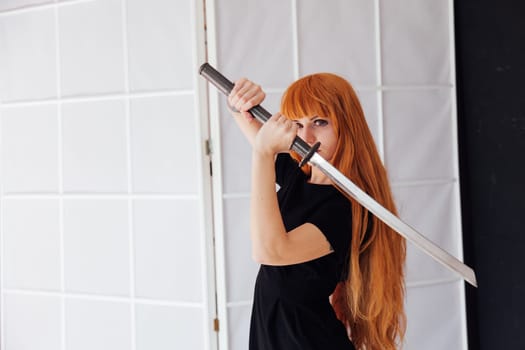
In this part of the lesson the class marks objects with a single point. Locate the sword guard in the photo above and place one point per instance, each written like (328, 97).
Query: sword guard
(309, 154)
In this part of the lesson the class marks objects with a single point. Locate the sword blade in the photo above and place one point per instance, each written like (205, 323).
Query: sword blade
(393, 221)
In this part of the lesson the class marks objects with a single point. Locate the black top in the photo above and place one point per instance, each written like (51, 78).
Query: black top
(291, 309)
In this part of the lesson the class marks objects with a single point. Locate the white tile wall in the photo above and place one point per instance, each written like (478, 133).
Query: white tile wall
(95, 324)
(167, 327)
(31, 244)
(96, 246)
(29, 71)
(160, 49)
(91, 48)
(29, 149)
(161, 127)
(105, 238)
(94, 146)
(167, 241)
(31, 322)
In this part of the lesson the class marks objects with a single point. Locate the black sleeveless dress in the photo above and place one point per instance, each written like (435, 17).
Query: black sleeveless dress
(291, 309)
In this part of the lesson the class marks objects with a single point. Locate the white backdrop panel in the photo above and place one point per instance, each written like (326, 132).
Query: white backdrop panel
(416, 43)
(256, 34)
(397, 55)
(422, 118)
(241, 276)
(341, 24)
(430, 209)
(437, 317)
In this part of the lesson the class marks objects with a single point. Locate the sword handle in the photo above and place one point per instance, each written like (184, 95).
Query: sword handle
(225, 86)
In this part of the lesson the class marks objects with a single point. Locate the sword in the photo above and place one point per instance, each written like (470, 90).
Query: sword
(310, 155)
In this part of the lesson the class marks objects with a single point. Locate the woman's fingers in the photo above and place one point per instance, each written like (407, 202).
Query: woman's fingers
(245, 94)
(281, 119)
(276, 135)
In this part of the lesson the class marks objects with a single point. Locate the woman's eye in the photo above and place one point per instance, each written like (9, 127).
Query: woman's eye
(299, 125)
(320, 122)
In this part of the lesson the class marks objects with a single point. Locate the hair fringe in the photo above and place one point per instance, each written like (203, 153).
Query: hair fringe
(371, 301)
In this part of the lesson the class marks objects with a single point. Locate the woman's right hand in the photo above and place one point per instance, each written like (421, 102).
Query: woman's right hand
(245, 95)
(275, 136)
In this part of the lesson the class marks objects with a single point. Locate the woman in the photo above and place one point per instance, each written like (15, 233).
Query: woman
(332, 275)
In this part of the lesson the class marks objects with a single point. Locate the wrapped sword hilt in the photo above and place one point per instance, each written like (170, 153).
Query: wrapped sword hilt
(225, 86)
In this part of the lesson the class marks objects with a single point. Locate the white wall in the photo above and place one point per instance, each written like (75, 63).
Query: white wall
(106, 234)
(105, 214)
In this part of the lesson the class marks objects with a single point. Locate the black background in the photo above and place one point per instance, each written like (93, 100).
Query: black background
(490, 64)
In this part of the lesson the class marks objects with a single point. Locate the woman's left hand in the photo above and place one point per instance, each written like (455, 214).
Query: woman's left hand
(276, 135)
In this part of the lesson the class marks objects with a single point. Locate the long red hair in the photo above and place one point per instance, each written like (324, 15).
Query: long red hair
(371, 301)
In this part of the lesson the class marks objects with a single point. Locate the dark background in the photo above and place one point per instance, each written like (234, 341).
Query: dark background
(490, 64)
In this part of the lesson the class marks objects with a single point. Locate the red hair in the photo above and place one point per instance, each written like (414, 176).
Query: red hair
(371, 301)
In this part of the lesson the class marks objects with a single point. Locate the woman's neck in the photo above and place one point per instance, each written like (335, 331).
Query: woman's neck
(317, 177)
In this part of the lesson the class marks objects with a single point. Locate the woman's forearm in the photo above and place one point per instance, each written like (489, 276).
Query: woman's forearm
(268, 233)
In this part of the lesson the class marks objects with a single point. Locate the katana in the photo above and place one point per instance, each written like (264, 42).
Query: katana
(309, 154)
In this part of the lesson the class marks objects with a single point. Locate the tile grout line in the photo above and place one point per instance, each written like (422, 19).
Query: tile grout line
(423, 182)
(99, 97)
(73, 195)
(102, 297)
(60, 174)
(184, 92)
(40, 7)
(131, 243)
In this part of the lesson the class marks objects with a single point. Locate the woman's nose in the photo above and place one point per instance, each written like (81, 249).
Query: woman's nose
(307, 135)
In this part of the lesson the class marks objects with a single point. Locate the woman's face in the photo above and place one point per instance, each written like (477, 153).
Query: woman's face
(318, 129)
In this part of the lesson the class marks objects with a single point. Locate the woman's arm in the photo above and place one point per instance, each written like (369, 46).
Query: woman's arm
(271, 244)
